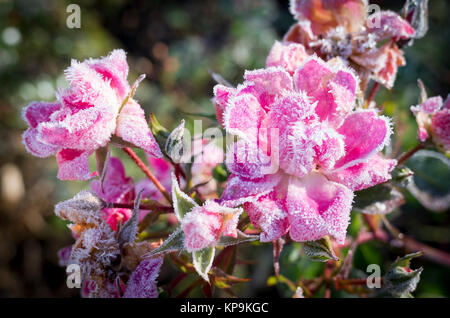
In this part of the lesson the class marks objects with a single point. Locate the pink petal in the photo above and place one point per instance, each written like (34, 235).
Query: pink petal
(161, 168)
(248, 161)
(440, 125)
(133, 127)
(327, 14)
(117, 187)
(142, 282)
(429, 106)
(394, 59)
(290, 108)
(244, 116)
(30, 139)
(87, 88)
(318, 207)
(73, 165)
(297, 149)
(266, 84)
(391, 25)
(113, 68)
(87, 129)
(334, 90)
(201, 228)
(286, 55)
(365, 175)
(222, 96)
(365, 134)
(267, 214)
(38, 112)
(239, 190)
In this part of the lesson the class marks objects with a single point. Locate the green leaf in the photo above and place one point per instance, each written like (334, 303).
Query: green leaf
(127, 233)
(182, 203)
(430, 183)
(401, 176)
(175, 144)
(320, 250)
(405, 260)
(241, 238)
(400, 280)
(175, 242)
(203, 260)
(159, 131)
(220, 173)
(379, 199)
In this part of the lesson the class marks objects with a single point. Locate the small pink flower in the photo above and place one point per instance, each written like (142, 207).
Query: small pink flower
(86, 116)
(204, 225)
(142, 282)
(433, 118)
(304, 149)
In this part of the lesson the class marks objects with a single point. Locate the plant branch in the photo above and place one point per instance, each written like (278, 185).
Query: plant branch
(147, 172)
(406, 155)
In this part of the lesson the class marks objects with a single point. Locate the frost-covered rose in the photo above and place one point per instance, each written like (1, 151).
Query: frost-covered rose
(433, 117)
(341, 28)
(204, 225)
(303, 149)
(86, 115)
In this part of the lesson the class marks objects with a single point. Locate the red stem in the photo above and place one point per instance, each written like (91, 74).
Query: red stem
(147, 172)
(406, 155)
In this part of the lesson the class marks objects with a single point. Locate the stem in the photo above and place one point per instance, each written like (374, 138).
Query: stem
(160, 208)
(406, 155)
(373, 92)
(147, 172)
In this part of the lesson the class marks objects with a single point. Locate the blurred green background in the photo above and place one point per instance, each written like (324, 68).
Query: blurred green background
(176, 44)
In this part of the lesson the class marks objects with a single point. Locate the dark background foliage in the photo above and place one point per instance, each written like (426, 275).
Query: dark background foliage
(176, 44)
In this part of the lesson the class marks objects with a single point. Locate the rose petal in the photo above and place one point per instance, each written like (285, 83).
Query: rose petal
(73, 165)
(243, 117)
(391, 25)
(267, 214)
(287, 55)
(334, 90)
(132, 127)
(327, 14)
(318, 207)
(365, 175)
(113, 68)
(222, 96)
(365, 134)
(239, 190)
(266, 84)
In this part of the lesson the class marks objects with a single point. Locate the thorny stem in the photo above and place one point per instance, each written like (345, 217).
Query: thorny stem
(147, 172)
(406, 155)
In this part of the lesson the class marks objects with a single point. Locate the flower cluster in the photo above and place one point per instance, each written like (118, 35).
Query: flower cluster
(305, 145)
